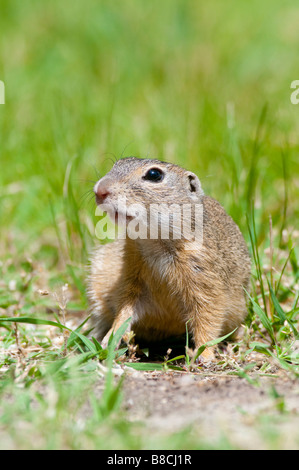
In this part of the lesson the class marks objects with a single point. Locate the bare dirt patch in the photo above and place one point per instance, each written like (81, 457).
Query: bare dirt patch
(217, 408)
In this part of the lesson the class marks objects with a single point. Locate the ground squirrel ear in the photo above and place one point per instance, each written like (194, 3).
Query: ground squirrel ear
(194, 185)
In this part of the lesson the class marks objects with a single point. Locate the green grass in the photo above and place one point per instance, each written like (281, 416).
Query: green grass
(204, 85)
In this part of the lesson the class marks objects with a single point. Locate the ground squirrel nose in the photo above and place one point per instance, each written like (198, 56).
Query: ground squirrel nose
(101, 191)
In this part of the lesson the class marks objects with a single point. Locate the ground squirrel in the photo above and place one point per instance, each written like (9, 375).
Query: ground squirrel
(162, 283)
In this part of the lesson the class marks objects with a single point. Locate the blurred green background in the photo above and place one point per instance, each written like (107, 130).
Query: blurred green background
(202, 84)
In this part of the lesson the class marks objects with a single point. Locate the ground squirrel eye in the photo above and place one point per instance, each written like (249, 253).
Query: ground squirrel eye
(192, 183)
(154, 174)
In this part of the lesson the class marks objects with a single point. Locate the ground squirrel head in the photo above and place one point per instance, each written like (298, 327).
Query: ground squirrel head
(144, 182)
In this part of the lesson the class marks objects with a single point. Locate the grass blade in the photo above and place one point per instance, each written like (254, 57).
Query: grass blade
(282, 316)
(34, 321)
(212, 343)
(116, 338)
(263, 317)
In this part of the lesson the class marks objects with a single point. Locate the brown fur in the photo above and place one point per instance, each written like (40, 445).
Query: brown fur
(162, 284)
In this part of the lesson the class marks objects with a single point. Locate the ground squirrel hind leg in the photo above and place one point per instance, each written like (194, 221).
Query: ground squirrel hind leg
(206, 327)
(100, 325)
(121, 317)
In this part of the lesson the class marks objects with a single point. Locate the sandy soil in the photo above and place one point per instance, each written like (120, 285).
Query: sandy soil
(223, 407)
